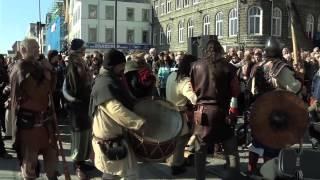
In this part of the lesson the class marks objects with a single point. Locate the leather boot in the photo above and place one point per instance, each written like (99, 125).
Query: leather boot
(80, 171)
(200, 162)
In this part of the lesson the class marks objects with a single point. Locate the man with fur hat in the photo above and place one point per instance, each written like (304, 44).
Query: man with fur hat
(110, 109)
(76, 90)
(32, 83)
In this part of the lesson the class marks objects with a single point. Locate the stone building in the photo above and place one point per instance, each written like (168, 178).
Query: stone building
(93, 21)
(238, 23)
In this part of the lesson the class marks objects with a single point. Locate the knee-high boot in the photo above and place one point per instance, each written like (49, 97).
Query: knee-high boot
(200, 162)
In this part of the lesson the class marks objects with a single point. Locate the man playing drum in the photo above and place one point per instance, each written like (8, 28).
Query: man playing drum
(110, 105)
(179, 91)
(215, 82)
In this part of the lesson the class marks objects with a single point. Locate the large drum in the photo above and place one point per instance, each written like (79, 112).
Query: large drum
(163, 126)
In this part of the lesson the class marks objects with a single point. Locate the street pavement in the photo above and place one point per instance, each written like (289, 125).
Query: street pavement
(9, 168)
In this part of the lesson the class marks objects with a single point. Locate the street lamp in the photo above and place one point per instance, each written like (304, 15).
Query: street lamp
(39, 27)
(271, 28)
(115, 23)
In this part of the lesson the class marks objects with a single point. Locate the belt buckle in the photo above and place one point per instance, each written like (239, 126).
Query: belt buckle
(38, 125)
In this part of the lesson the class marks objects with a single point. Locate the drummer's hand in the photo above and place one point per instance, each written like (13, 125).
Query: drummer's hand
(233, 112)
(141, 130)
(232, 117)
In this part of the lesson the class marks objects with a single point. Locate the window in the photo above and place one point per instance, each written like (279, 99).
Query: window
(310, 26)
(180, 32)
(318, 24)
(255, 20)
(179, 4)
(190, 28)
(195, 1)
(276, 22)
(168, 6)
(233, 22)
(162, 40)
(109, 12)
(156, 8)
(145, 15)
(219, 24)
(92, 35)
(206, 25)
(93, 11)
(155, 36)
(186, 3)
(130, 36)
(145, 37)
(109, 35)
(130, 14)
(163, 8)
(169, 34)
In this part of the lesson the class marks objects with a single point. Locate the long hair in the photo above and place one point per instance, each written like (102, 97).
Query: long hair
(214, 52)
(185, 66)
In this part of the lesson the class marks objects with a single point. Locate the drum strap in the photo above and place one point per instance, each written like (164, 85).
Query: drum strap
(108, 140)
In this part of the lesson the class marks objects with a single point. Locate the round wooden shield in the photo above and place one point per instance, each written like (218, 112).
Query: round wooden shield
(279, 119)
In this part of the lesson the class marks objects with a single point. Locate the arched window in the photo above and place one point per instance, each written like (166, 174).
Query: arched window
(190, 28)
(310, 26)
(276, 22)
(180, 32)
(162, 37)
(255, 20)
(169, 34)
(219, 24)
(233, 22)
(318, 24)
(206, 25)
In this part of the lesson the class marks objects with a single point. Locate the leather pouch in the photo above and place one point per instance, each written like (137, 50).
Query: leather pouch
(114, 149)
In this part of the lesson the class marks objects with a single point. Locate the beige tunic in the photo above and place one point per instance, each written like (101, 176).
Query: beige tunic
(109, 121)
(179, 93)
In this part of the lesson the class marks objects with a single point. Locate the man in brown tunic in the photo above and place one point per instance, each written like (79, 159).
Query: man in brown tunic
(31, 83)
(214, 81)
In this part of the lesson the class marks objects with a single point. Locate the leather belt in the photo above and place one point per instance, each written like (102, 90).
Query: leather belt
(108, 140)
(40, 117)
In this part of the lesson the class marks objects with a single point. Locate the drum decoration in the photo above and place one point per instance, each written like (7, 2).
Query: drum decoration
(162, 127)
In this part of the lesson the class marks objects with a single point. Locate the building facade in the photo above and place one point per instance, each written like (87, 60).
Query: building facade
(93, 21)
(37, 31)
(16, 46)
(55, 27)
(238, 23)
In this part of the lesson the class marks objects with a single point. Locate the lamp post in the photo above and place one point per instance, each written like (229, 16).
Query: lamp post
(115, 23)
(39, 26)
(238, 23)
(271, 28)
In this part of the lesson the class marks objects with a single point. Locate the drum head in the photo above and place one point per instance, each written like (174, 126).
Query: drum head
(163, 121)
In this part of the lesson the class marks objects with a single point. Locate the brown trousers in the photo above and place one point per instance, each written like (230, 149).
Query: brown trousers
(33, 142)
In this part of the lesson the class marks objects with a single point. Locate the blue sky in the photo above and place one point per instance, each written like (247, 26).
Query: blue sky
(15, 15)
